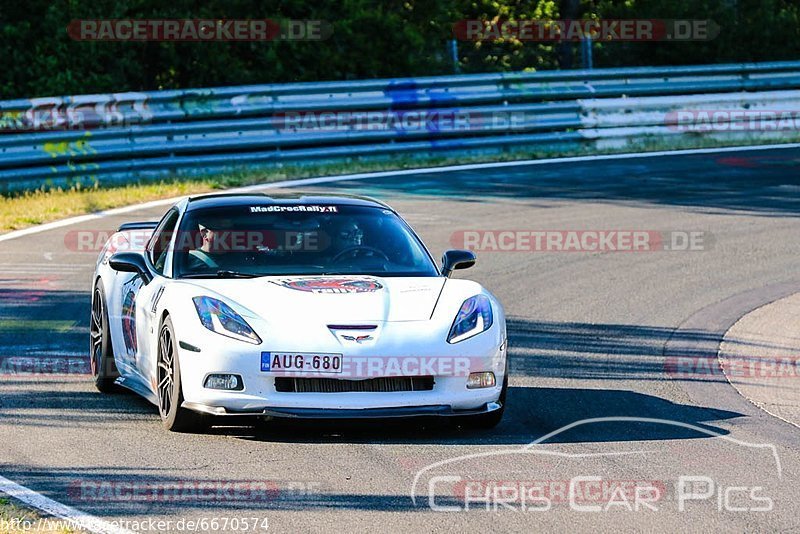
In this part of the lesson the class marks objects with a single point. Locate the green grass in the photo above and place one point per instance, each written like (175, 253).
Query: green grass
(36, 207)
(17, 519)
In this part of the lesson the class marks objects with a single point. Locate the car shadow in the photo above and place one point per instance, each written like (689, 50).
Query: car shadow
(531, 414)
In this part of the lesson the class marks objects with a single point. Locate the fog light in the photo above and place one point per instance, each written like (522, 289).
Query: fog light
(226, 382)
(481, 380)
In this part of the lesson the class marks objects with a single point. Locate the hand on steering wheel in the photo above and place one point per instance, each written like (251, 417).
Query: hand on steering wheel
(358, 250)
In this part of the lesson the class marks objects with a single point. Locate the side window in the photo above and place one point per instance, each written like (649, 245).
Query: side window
(159, 244)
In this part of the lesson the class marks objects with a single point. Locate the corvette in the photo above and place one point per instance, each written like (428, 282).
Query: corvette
(293, 307)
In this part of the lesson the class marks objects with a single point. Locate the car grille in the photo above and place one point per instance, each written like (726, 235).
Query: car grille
(336, 385)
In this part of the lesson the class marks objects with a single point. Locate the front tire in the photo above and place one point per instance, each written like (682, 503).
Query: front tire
(104, 370)
(169, 389)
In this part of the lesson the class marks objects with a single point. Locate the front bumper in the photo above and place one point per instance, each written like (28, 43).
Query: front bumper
(449, 396)
(367, 413)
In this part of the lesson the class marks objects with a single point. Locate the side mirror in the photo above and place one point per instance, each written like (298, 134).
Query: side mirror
(457, 259)
(131, 262)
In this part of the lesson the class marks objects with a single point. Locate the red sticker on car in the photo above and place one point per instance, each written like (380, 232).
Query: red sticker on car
(331, 285)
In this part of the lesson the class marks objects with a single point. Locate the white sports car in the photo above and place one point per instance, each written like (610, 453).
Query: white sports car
(297, 306)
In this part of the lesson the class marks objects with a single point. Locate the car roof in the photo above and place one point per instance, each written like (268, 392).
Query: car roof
(262, 199)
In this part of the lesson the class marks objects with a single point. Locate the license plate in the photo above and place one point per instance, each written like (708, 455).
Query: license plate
(300, 362)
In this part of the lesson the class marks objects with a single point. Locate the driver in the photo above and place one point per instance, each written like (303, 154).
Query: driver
(347, 235)
(213, 248)
(349, 246)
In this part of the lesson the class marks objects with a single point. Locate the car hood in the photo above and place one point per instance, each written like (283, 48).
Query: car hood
(334, 299)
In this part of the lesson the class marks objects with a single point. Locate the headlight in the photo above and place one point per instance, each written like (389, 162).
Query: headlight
(474, 317)
(220, 318)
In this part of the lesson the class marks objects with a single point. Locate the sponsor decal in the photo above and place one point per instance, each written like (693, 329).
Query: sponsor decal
(130, 290)
(302, 208)
(331, 285)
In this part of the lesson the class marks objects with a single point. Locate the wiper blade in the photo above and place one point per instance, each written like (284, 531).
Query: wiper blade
(235, 274)
(221, 274)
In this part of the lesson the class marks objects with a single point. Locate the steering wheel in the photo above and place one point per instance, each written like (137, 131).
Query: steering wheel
(357, 250)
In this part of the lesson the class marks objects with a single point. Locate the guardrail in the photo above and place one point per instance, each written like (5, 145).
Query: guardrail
(127, 136)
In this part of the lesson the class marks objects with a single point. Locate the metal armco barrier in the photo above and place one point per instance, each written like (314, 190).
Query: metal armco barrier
(123, 137)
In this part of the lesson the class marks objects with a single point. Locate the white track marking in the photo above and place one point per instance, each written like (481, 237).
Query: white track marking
(79, 519)
(405, 172)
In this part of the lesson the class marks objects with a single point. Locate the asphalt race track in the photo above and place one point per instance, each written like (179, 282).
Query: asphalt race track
(592, 335)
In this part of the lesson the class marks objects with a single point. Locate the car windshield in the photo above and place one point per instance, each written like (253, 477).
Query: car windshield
(264, 240)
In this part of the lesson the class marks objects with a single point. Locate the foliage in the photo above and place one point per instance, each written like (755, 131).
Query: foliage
(371, 39)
